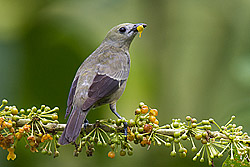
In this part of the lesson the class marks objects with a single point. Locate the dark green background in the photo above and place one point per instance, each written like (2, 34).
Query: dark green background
(193, 59)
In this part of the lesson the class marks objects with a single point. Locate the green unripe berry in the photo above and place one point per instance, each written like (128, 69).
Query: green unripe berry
(44, 151)
(140, 123)
(171, 138)
(109, 120)
(182, 155)
(182, 149)
(177, 140)
(198, 136)
(204, 134)
(56, 154)
(203, 141)
(56, 109)
(207, 127)
(4, 102)
(173, 153)
(193, 120)
(122, 152)
(47, 108)
(141, 104)
(168, 144)
(202, 159)
(99, 143)
(211, 120)
(188, 118)
(15, 118)
(49, 152)
(130, 152)
(91, 139)
(131, 123)
(176, 124)
(6, 108)
(22, 111)
(167, 126)
(194, 125)
(195, 158)
(205, 122)
(14, 111)
(54, 117)
(211, 156)
(220, 155)
(177, 134)
(194, 149)
(34, 109)
(118, 122)
(184, 137)
(112, 146)
(140, 129)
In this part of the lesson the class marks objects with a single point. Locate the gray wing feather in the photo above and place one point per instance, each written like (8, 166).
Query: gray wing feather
(71, 96)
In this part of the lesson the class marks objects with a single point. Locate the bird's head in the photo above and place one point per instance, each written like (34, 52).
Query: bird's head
(123, 34)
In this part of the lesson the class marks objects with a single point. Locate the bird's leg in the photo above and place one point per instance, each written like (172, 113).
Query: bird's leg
(85, 123)
(113, 109)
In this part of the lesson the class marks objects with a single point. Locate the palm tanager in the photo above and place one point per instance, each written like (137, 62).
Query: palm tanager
(101, 79)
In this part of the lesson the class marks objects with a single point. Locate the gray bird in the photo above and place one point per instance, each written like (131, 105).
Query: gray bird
(101, 78)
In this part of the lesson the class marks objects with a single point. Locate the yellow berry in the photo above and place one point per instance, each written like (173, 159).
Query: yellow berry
(152, 119)
(144, 109)
(153, 112)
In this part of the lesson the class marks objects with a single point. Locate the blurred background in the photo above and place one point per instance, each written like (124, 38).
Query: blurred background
(193, 59)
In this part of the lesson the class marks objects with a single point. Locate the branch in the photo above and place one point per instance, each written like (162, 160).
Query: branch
(41, 130)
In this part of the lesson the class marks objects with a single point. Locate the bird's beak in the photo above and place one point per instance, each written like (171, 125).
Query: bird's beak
(137, 25)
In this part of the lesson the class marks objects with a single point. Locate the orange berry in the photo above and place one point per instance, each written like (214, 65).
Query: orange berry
(21, 130)
(131, 136)
(49, 137)
(9, 125)
(147, 128)
(1, 120)
(31, 138)
(111, 154)
(26, 127)
(144, 109)
(153, 112)
(152, 119)
(156, 122)
(12, 130)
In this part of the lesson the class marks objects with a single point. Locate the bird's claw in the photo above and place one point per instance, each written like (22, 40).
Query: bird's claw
(85, 124)
(125, 130)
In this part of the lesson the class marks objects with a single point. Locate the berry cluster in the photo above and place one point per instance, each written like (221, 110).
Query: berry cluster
(28, 125)
(40, 130)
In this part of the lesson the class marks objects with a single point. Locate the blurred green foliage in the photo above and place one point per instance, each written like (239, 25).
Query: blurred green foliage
(193, 59)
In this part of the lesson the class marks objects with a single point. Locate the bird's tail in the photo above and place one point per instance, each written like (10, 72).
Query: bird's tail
(73, 127)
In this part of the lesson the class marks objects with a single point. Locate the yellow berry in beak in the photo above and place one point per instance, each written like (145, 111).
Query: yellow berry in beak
(140, 28)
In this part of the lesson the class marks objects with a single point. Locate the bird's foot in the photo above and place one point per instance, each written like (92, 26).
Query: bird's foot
(85, 124)
(125, 124)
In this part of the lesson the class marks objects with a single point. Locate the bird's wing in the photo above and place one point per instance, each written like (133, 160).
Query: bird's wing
(102, 86)
(111, 73)
(71, 96)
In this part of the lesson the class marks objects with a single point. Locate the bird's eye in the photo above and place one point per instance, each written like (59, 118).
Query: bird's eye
(122, 29)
